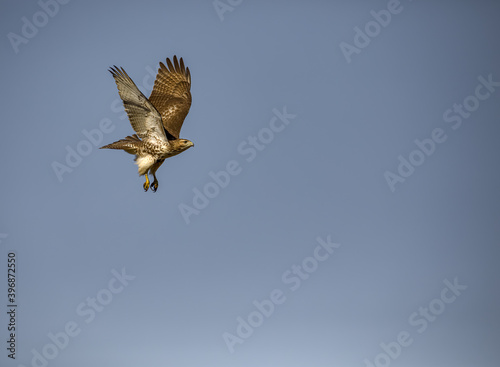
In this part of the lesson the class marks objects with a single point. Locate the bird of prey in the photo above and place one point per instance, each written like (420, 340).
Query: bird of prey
(157, 121)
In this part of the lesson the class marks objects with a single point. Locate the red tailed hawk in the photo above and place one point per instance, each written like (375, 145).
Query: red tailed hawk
(157, 121)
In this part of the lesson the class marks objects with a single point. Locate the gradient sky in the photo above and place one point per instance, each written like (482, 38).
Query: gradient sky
(389, 157)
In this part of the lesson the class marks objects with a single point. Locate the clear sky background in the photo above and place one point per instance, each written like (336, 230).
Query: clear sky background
(414, 221)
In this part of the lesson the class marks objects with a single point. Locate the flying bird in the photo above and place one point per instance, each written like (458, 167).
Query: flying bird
(157, 121)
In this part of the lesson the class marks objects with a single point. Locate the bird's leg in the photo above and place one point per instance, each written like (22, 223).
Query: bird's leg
(154, 168)
(146, 184)
(154, 185)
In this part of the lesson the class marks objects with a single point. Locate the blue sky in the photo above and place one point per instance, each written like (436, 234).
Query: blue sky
(340, 206)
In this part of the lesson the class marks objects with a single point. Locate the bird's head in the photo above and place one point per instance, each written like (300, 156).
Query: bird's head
(185, 144)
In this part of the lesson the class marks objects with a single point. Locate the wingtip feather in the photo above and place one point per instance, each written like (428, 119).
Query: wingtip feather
(170, 66)
(176, 64)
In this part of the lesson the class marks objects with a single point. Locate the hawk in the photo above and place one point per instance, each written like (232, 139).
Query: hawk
(157, 120)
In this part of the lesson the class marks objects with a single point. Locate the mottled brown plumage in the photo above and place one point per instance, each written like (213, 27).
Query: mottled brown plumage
(171, 95)
(157, 120)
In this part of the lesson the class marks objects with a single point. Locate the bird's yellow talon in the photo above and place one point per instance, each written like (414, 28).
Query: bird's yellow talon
(146, 184)
(154, 186)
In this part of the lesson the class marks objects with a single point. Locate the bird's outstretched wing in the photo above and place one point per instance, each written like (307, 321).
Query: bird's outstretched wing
(171, 95)
(142, 114)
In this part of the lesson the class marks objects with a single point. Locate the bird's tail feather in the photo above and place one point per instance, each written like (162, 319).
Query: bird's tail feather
(130, 144)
